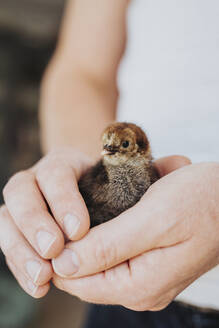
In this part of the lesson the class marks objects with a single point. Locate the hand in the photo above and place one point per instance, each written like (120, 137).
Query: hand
(30, 234)
(147, 255)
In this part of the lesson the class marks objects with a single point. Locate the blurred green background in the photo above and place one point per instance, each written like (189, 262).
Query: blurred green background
(28, 34)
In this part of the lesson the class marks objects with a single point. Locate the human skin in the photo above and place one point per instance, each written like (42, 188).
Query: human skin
(148, 258)
(79, 90)
(78, 99)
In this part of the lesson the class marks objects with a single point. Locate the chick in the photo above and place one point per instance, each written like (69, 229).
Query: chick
(121, 176)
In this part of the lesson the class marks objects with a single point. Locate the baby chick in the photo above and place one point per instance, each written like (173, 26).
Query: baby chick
(122, 176)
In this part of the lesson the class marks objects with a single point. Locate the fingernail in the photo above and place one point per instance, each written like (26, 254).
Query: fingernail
(32, 288)
(45, 241)
(66, 264)
(71, 225)
(33, 269)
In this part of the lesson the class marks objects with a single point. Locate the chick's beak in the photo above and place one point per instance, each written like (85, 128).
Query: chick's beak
(108, 150)
(104, 152)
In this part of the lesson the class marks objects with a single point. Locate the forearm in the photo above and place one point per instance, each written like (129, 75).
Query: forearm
(79, 91)
(74, 111)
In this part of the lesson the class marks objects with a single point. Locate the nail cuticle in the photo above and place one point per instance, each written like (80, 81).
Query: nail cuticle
(66, 264)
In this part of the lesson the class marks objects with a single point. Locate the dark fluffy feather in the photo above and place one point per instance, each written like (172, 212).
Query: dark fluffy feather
(122, 176)
(110, 191)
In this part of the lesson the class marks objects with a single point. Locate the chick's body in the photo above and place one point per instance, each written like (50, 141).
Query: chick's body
(122, 176)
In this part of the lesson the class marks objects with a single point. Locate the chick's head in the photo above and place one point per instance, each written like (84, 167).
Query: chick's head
(124, 141)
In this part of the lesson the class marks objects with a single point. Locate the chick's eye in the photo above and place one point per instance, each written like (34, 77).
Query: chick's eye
(125, 144)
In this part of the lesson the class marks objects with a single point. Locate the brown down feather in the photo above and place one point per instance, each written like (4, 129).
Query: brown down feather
(123, 174)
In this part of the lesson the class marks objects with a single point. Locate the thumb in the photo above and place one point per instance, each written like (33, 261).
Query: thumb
(166, 165)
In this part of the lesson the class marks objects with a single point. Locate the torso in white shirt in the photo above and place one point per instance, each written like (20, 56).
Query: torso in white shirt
(169, 85)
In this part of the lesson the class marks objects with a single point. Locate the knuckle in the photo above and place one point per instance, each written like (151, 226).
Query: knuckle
(30, 215)
(50, 168)
(105, 253)
(43, 170)
(11, 249)
(130, 285)
(54, 156)
(24, 215)
(15, 181)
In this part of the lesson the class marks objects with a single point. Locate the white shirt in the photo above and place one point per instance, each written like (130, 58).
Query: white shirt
(169, 85)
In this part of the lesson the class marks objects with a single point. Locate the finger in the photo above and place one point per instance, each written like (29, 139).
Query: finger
(168, 164)
(142, 227)
(17, 250)
(58, 183)
(137, 284)
(110, 287)
(27, 285)
(162, 274)
(29, 212)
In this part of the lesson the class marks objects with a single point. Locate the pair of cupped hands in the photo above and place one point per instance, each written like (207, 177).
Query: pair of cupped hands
(141, 259)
